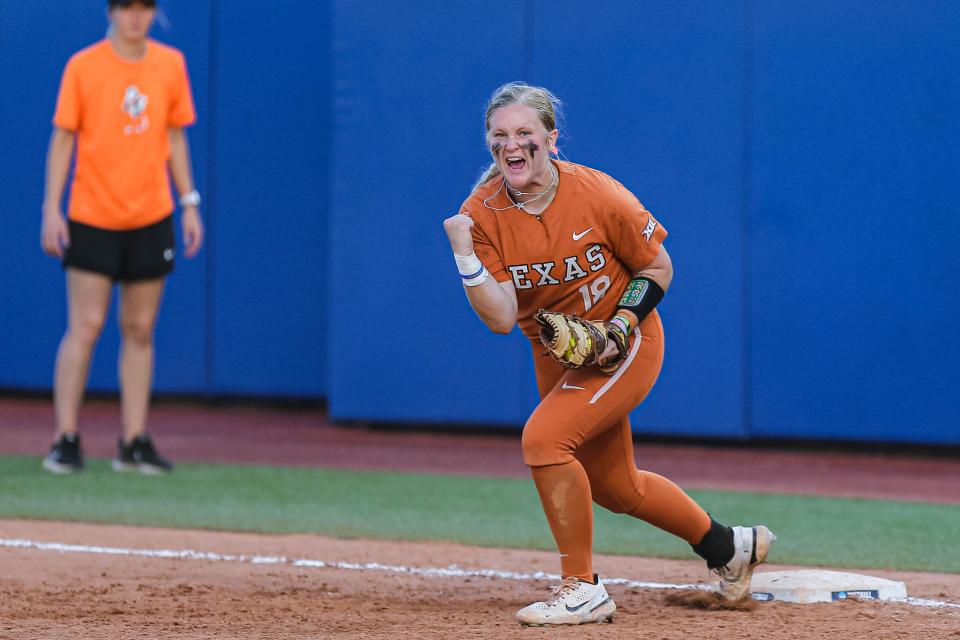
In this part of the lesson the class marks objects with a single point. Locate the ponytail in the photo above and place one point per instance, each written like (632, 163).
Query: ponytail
(491, 171)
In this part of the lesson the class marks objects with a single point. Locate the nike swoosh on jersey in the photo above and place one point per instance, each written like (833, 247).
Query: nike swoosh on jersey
(570, 386)
(577, 236)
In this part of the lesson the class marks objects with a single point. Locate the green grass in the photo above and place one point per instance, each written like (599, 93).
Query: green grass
(501, 512)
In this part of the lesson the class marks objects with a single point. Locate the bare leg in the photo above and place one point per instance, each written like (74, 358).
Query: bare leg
(139, 304)
(88, 300)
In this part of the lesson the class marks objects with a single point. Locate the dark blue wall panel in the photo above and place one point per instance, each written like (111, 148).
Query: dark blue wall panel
(655, 97)
(407, 146)
(667, 122)
(34, 309)
(803, 158)
(32, 300)
(270, 152)
(181, 338)
(855, 221)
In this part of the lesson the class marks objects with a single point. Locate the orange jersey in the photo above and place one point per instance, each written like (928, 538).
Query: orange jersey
(122, 112)
(578, 257)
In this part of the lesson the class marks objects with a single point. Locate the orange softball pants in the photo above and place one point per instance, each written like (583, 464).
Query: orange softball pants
(579, 447)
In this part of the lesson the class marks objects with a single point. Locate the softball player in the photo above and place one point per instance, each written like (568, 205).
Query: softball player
(540, 233)
(123, 103)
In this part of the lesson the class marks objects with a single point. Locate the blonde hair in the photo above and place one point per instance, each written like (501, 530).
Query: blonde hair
(547, 106)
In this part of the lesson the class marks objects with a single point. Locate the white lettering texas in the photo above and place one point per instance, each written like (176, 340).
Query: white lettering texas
(549, 273)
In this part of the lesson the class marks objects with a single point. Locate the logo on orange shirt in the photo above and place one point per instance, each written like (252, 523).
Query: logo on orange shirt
(135, 105)
(649, 229)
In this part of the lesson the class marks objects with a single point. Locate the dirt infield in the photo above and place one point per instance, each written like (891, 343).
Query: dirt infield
(47, 594)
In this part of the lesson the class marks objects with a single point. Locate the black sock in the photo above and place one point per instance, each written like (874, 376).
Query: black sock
(716, 547)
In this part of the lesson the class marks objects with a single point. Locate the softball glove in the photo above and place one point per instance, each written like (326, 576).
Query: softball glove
(572, 341)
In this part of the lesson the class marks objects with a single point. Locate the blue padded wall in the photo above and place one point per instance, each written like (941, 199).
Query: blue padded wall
(657, 100)
(32, 316)
(270, 151)
(803, 157)
(407, 146)
(34, 308)
(248, 314)
(182, 343)
(854, 223)
(678, 150)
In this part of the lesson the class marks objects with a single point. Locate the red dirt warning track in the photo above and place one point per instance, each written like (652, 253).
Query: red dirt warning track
(190, 433)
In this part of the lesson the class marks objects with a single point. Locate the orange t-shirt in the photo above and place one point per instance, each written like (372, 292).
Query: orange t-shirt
(578, 257)
(122, 112)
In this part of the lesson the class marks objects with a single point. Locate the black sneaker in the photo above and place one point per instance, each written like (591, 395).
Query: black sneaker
(65, 455)
(140, 456)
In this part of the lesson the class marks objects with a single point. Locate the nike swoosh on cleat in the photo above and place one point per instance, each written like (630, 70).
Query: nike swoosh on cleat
(578, 607)
(577, 236)
(570, 386)
(581, 606)
(600, 605)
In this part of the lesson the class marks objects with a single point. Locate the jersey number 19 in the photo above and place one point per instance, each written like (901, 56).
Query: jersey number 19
(593, 291)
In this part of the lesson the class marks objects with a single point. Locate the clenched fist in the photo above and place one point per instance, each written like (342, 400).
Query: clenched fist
(458, 230)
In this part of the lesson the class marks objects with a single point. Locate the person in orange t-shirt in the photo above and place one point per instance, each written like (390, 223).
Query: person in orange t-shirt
(123, 103)
(540, 233)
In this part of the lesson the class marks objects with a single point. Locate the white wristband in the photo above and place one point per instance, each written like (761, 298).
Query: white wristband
(471, 269)
(479, 280)
(468, 265)
(190, 199)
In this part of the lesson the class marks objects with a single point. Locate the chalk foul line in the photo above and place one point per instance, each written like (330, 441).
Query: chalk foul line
(452, 571)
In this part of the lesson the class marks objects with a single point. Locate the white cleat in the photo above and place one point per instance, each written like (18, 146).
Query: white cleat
(572, 602)
(751, 546)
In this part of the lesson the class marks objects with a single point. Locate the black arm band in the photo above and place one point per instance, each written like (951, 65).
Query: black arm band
(641, 296)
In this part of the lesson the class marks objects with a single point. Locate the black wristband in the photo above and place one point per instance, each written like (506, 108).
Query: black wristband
(641, 296)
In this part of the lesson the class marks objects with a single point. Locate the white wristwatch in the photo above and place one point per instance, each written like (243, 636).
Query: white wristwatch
(191, 199)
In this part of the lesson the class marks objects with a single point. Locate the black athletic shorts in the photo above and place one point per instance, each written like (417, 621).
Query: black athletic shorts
(136, 254)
